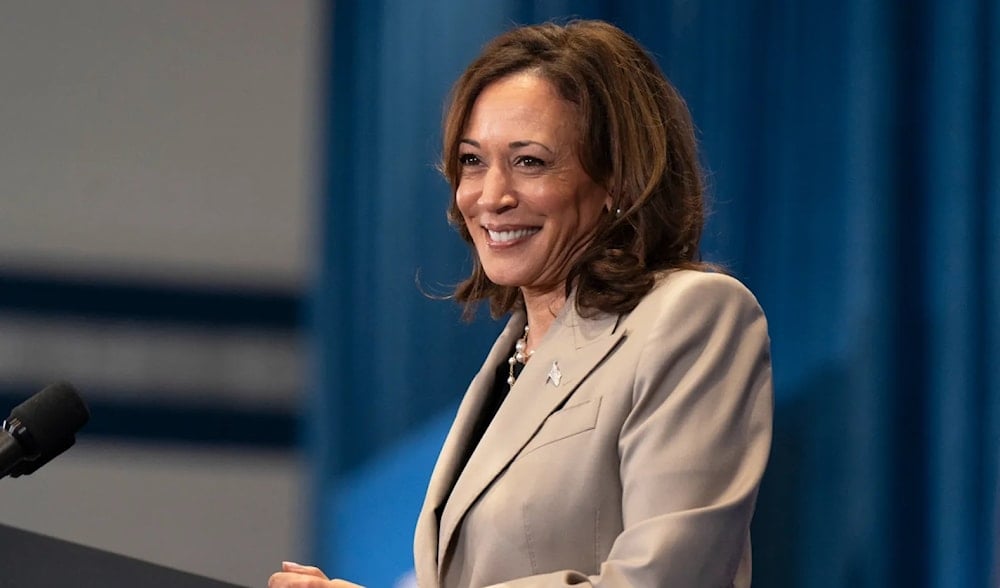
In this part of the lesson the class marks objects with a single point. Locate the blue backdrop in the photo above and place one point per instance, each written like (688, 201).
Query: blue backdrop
(852, 152)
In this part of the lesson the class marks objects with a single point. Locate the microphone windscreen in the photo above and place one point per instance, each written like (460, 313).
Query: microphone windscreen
(53, 416)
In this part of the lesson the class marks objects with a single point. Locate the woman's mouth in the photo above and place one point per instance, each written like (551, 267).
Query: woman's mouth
(508, 236)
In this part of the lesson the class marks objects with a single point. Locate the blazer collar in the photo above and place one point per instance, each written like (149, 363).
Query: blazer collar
(571, 349)
(445, 470)
(453, 449)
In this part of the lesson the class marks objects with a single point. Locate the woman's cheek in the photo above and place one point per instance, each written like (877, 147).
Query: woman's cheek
(465, 200)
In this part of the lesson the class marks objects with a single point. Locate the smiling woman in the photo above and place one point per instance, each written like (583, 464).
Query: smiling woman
(625, 127)
(527, 203)
(618, 430)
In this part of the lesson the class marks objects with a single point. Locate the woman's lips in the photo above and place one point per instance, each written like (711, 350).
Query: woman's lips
(510, 236)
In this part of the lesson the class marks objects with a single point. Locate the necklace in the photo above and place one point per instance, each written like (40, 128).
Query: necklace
(520, 356)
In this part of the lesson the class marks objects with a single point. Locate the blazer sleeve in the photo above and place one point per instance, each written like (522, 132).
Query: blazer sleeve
(695, 445)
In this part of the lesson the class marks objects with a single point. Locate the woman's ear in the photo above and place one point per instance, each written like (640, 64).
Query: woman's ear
(609, 207)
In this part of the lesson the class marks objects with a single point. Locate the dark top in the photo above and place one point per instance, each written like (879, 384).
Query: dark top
(498, 393)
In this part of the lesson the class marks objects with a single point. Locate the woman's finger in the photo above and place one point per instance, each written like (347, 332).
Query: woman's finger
(291, 566)
(293, 580)
(297, 580)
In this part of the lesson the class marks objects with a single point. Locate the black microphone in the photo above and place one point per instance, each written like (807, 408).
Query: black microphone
(41, 428)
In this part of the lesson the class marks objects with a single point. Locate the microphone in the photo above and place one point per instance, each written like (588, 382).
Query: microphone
(41, 428)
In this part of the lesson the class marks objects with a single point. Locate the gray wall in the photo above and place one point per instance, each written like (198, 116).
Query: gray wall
(165, 140)
(163, 143)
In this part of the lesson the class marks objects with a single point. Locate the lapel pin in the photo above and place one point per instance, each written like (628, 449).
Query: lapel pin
(554, 376)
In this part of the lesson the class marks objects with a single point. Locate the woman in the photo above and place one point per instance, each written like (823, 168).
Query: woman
(618, 430)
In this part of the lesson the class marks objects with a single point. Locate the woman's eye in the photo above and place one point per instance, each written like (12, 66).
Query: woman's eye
(529, 161)
(468, 159)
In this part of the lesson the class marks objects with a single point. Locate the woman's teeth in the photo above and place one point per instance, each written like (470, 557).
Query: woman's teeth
(504, 236)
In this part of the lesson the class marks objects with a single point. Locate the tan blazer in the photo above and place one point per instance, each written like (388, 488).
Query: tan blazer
(628, 453)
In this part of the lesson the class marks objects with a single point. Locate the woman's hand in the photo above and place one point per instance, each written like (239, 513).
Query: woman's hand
(293, 575)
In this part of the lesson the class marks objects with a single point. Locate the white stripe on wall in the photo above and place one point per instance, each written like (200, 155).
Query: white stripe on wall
(164, 362)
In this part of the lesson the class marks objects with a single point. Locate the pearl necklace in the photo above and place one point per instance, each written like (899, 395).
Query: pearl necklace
(520, 356)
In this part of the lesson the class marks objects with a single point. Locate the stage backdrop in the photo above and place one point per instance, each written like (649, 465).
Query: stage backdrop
(852, 154)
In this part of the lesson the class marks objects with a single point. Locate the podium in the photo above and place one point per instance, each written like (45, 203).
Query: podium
(30, 560)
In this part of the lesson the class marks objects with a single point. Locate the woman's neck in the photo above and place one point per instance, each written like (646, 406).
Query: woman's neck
(541, 309)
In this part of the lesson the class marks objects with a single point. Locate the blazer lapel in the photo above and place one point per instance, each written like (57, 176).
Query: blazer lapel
(572, 348)
(456, 442)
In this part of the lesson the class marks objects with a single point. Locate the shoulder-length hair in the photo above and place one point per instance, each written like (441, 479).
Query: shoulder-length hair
(637, 140)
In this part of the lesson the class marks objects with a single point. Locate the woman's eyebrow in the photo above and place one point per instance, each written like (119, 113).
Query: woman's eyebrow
(519, 144)
(512, 144)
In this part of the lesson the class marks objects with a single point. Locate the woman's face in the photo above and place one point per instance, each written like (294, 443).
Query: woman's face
(527, 202)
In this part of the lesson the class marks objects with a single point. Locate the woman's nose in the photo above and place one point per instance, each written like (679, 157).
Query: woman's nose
(498, 192)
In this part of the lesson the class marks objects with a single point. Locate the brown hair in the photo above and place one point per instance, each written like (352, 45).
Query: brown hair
(637, 141)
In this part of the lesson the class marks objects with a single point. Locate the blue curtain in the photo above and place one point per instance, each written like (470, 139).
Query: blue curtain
(854, 165)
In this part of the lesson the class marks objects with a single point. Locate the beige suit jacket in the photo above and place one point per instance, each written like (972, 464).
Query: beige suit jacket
(628, 453)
